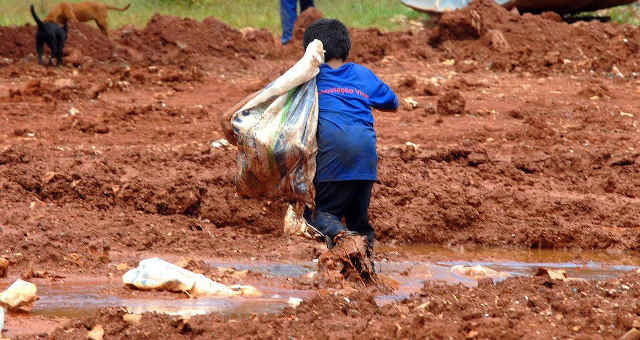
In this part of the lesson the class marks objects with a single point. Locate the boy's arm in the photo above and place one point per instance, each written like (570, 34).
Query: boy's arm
(225, 120)
(382, 97)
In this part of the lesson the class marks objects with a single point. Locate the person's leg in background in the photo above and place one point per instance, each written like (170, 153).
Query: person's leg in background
(288, 16)
(304, 4)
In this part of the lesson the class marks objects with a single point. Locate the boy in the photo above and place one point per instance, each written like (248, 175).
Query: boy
(347, 160)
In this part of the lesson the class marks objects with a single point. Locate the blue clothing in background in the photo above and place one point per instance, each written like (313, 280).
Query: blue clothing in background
(289, 14)
(346, 138)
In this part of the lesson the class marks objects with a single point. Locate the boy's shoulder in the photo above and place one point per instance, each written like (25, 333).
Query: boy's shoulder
(360, 68)
(364, 71)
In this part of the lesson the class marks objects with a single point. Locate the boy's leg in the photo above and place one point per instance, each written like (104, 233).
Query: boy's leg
(288, 16)
(331, 200)
(357, 213)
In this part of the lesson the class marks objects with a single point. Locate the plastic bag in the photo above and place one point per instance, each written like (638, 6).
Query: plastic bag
(155, 273)
(276, 133)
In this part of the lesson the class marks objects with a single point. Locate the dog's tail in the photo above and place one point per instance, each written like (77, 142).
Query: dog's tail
(119, 9)
(35, 16)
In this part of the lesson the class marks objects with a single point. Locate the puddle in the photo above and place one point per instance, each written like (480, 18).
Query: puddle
(439, 253)
(269, 268)
(75, 300)
(71, 301)
(589, 265)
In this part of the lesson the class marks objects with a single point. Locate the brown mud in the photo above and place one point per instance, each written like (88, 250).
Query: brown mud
(509, 309)
(108, 159)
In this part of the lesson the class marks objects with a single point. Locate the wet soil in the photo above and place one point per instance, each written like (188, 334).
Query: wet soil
(108, 160)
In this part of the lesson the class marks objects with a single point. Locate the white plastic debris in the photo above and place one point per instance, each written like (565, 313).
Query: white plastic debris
(294, 302)
(477, 272)
(220, 143)
(19, 296)
(410, 103)
(295, 224)
(411, 146)
(155, 273)
(73, 111)
(1, 320)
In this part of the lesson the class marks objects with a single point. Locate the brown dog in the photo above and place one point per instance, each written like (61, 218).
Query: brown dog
(83, 11)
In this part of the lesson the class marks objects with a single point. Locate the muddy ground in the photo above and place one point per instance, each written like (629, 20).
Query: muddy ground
(523, 134)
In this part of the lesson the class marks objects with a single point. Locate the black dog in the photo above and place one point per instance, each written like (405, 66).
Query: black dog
(51, 34)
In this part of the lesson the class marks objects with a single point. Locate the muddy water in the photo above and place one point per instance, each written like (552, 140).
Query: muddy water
(435, 264)
(69, 301)
(427, 263)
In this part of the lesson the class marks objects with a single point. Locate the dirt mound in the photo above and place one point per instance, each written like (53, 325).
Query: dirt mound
(166, 37)
(19, 42)
(371, 45)
(507, 41)
(90, 41)
(306, 18)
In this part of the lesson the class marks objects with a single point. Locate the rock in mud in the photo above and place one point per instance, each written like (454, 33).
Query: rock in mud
(632, 334)
(451, 103)
(20, 296)
(96, 333)
(132, 319)
(347, 261)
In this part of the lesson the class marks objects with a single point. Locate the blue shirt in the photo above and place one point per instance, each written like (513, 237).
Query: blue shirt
(346, 138)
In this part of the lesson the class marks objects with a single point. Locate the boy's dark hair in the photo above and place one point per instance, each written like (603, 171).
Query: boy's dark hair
(334, 36)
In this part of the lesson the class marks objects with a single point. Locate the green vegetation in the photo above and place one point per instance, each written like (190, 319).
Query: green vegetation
(625, 14)
(384, 14)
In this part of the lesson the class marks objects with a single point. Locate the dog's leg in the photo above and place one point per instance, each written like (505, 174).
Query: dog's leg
(59, 54)
(53, 47)
(39, 49)
(103, 25)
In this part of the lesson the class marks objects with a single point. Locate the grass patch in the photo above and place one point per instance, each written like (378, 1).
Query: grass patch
(629, 14)
(383, 14)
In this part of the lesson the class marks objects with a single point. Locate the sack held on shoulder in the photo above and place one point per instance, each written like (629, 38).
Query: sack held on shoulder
(276, 134)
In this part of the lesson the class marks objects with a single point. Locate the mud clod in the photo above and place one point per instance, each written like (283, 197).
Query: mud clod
(347, 261)
(451, 103)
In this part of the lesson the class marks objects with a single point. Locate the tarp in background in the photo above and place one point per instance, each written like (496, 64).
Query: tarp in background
(536, 6)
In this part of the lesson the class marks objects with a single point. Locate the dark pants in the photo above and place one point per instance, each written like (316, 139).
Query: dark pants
(289, 14)
(335, 200)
